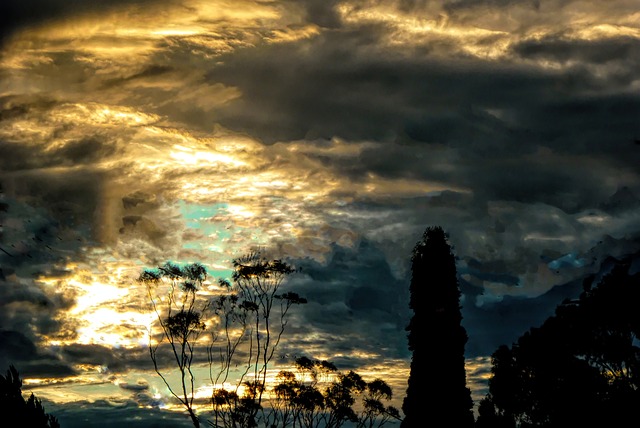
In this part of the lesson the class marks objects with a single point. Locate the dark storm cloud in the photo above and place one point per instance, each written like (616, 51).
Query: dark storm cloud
(493, 271)
(405, 159)
(141, 411)
(29, 242)
(26, 307)
(19, 350)
(26, 313)
(323, 91)
(46, 222)
(84, 151)
(18, 14)
(70, 197)
(354, 301)
(338, 85)
(113, 360)
(623, 50)
(513, 131)
(322, 12)
(89, 354)
(19, 156)
(559, 183)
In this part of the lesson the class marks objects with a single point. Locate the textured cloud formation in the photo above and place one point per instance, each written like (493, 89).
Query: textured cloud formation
(17, 15)
(330, 133)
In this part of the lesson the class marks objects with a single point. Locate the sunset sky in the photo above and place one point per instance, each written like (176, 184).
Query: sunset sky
(328, 133)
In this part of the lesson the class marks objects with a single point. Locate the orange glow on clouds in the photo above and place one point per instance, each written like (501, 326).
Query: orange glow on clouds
(131, 80)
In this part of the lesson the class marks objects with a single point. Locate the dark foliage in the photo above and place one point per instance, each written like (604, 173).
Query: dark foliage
(437, 339)
(580, 368)
(18, 411)
(322, 396)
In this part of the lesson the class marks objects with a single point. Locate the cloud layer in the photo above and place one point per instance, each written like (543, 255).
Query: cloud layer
(331, 133)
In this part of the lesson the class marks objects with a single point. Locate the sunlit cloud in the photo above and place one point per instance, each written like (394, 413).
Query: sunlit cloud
(102, 115)
(409, 29)
(196, 130)
(488, 34)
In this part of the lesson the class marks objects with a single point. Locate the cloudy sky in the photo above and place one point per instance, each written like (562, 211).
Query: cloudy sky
(330, 133)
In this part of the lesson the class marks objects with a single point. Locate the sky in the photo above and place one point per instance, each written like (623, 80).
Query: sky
(328, 133)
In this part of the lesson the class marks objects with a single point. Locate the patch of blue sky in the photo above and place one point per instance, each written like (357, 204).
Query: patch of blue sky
(210, 220)
(203, 218)
(214, 222)
(570, 260)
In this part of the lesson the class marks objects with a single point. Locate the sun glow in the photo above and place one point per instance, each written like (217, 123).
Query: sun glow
(190, 157)
(107, 309)
(112, 328)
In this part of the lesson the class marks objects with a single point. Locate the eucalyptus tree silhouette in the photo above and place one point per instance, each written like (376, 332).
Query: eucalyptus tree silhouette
(181, 323)
(243, 321)
(260, 317)
(18, 411)
(437, 339)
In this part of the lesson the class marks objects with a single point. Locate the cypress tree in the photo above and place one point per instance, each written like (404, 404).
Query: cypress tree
(437, 395)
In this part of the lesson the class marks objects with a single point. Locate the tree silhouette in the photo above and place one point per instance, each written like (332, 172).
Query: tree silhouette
(437, 339)
(254, 312)
(319, 395)
(24, 413)
(244, 321)
(580, 368)
(181, 323)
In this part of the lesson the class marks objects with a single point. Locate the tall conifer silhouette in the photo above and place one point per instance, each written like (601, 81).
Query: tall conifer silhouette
(437, 395)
